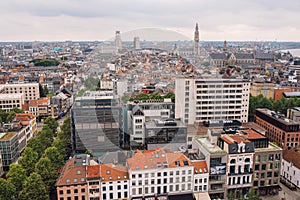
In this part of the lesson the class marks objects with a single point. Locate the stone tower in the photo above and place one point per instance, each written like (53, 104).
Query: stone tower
(196, 41)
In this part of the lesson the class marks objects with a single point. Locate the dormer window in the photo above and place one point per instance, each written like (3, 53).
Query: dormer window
(107, 171)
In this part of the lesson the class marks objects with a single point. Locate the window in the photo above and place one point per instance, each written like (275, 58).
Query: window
(68, 191)
(61, 192)
(75, 191)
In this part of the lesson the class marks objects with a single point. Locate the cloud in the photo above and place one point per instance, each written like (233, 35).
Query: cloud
(97, 20)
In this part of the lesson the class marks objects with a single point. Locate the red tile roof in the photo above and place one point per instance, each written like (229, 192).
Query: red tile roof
(200, 166)
(292, 155)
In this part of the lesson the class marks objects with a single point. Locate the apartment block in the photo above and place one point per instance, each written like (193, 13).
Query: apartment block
(14, 138)
(199, 100)
(30, 90)
(10, 101)
(285, 132)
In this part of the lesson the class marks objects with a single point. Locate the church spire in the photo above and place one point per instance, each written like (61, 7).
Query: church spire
(196, 41)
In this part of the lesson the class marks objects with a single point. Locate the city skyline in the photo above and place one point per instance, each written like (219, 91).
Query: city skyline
(233, 20)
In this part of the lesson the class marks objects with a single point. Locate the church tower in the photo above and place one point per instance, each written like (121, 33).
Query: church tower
(118, 41)
(196, 41)
(225, 46)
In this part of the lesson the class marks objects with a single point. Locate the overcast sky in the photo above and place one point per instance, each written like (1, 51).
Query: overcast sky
(53, 20)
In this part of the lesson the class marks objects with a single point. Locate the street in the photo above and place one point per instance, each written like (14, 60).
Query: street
(286, 194)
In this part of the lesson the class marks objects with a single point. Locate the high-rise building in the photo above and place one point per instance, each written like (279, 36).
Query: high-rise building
(196, 41)
(118, 41)
(199, 100)
(136, 43)
(96, 123)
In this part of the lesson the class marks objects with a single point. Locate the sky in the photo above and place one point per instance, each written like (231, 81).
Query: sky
(231, 20)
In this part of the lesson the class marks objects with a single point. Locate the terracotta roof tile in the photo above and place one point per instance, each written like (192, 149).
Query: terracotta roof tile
(200, 166)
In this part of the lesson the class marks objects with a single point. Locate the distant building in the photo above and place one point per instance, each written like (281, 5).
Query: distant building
(30, 90)
(262, 88)
(196, 41)
(199, 100)
(136, 43)
(118, 41)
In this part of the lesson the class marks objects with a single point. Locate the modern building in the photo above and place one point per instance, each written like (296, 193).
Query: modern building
(199, 100)
(10, 101)
(30, 90)
(285, 132)
(14, 138)
(97, 123)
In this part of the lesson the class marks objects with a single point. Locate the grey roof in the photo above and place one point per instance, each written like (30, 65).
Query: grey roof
(291, 94)
(268, 56)
(244, 56)
(218, 56)
(137, 108)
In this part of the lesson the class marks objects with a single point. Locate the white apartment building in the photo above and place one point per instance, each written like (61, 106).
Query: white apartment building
(30, 90)
(198, 100)
(9, 101)
(160, 173)
(201, 176)
(290, 167)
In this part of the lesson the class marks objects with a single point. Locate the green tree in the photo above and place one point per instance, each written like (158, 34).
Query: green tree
(143, 96)
(60, 146)
(41, 90)
(169, 95)
(16, 176)
(11, 114)
(155, 96)
(28, 160)
(7, 190)
(36, 145)
(65, 136)
(125, 98)
(53, 154)
(52, 123)
(46, 136)
(46, 91)
(3, 115)
(34, 188)
(44, 167)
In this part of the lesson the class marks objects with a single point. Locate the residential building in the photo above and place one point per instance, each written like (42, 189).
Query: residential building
(108, 181)
(43, 108)
(216, 159)
(15, 136)
(240, 153)
(30, 90)
(10, 101)
(159, 173)
(266, 163)
(199, 100)
(285, 132)
(72, 182)
(136, 43)
(290, 167)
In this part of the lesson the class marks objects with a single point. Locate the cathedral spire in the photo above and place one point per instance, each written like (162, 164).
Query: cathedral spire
(196, 41)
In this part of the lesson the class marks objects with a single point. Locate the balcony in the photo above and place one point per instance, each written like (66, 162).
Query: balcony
(216, 190)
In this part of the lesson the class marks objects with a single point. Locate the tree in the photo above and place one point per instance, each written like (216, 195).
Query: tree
(142, 96)
(57, 159)
(46, 91)
(36, 145)
(60, 146)
(16, 176)
(52, 123)
(169, 95)
(41, 90)
(7, 190)
(65, 135)
(44, 167)
(28, 160)
(11, 114)
(46, 136)
(3, 115)
(34, 188)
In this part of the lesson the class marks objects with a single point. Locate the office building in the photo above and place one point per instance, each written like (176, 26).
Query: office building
(199, 100)
(30, 90)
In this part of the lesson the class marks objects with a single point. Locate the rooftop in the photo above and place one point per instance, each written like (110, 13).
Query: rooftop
(7, 136)
(292, 155)
(212, 149)
(11, 96)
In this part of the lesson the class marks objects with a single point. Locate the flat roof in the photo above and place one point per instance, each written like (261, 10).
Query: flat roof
(213, 149)
(7, 136)
(20, 84)
(271, 147)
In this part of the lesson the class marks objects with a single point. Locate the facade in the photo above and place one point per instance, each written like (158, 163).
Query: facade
(14, 138)
(170, 133)
(96, 123)
(30, 90)
(199, 100)
(290, 167)
(285, 132)
(152, 174)
(218, 59)
(262, 88)
(10, 101)
(294, 114)
(216, 160)
(43, 108)
(240, 153)
(72, 182)
(140, 112)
